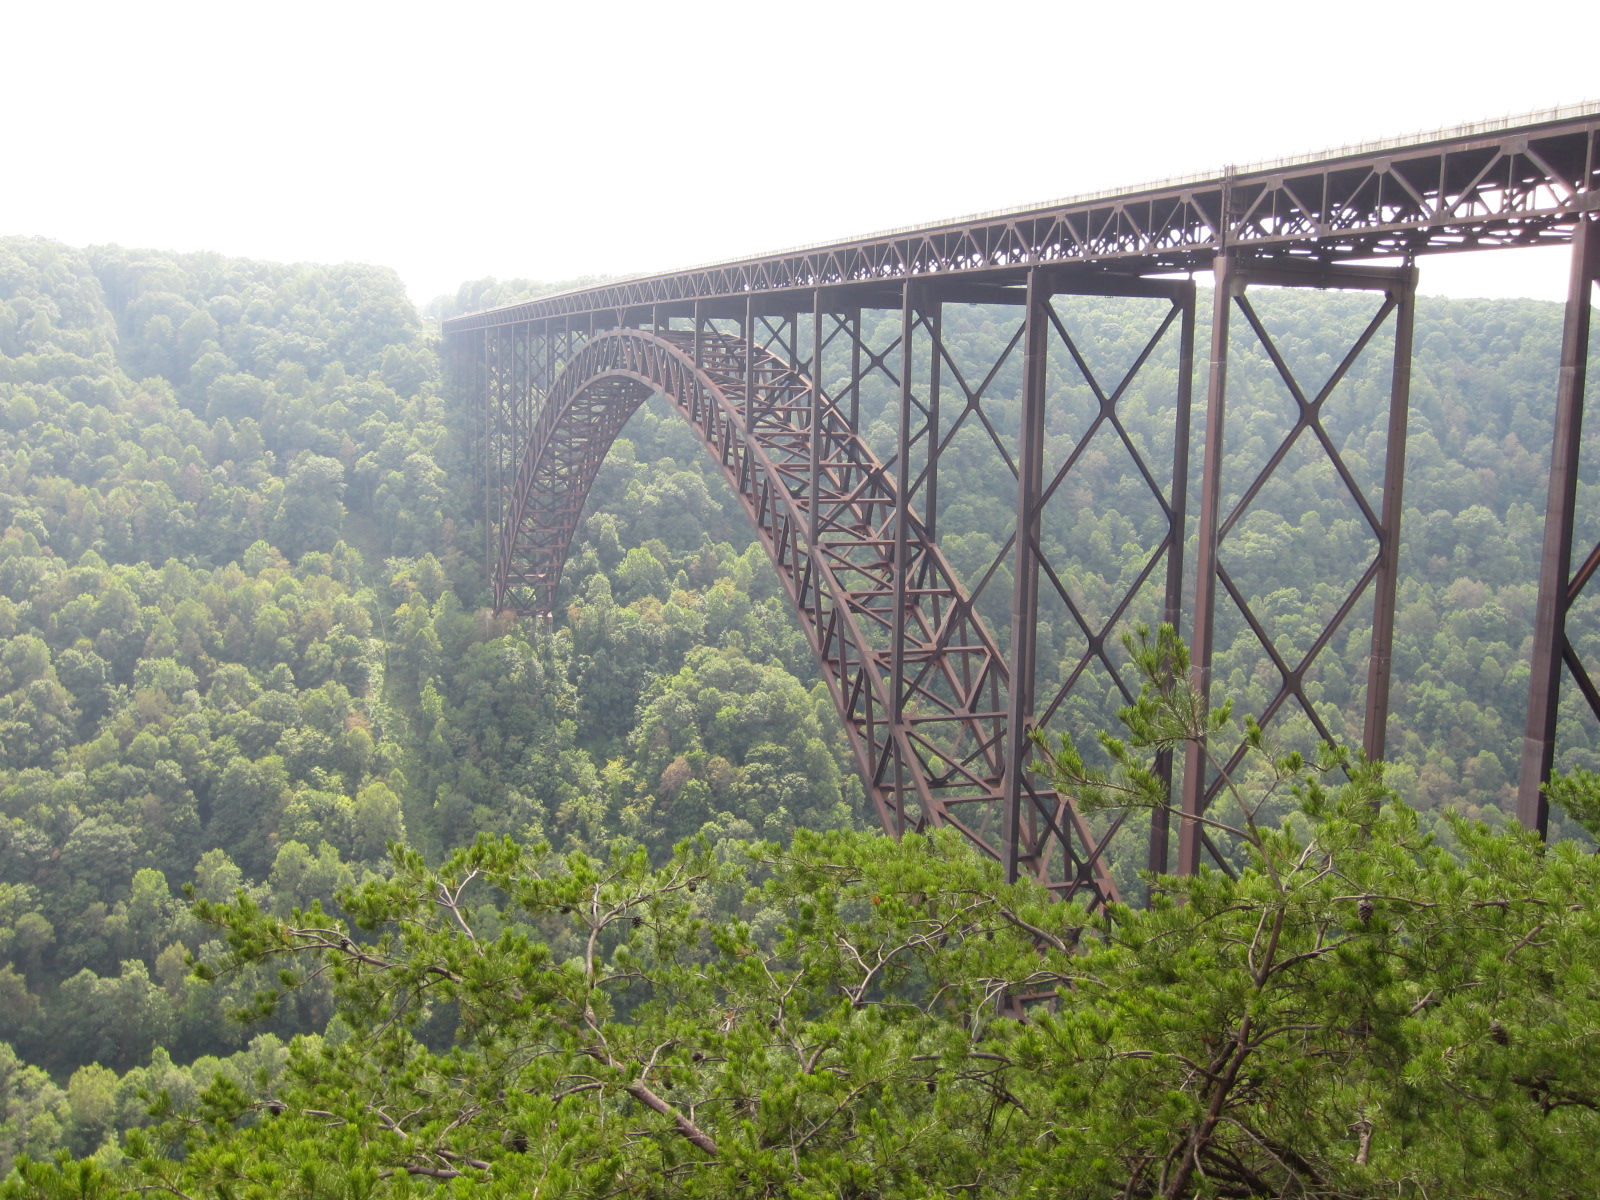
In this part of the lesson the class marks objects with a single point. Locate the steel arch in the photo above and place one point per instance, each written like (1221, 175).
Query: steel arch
(927, 718)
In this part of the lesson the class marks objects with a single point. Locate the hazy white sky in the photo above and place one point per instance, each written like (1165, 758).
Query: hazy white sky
(527, 140)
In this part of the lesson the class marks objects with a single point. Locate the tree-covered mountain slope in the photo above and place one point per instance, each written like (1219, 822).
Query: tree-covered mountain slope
(244, 640)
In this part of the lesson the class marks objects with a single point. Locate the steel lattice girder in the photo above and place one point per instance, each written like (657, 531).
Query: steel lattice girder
(1478, 187)
(921, 686)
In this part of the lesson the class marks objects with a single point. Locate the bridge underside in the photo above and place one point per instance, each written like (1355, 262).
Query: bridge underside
(789, 366)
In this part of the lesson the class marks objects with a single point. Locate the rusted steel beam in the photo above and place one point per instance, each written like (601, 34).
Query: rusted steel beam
(901, 566)
(1177, 527)
(1197, 769)
(1557, 585)
(1025, 579)
(1375, 724)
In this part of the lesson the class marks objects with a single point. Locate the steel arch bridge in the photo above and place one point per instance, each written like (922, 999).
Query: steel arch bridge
(769, 359)
(918, 679)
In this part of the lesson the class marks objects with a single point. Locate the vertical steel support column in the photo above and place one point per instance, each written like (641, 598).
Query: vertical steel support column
(1178, 507)
(545, 359)
(1555, 568)
(504, 425)
(1226, 284)
(1025, 580)
(791, 350)
(814, 480)
(1375, 726)
(853, 319)
(521, 391)
(749, 359)
(502, 367)
(930, 504)
(897, 644)
(491, 532)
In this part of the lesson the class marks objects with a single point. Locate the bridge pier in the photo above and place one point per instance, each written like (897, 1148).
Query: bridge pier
(1207, 768)
(1025, 573)
(905, 486)
(1559, 586)
(1028, 820)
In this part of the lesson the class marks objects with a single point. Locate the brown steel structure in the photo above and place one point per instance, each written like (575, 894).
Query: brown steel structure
(936, 709)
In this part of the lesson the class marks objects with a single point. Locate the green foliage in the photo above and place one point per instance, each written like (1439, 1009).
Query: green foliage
(241, 650)
(1337, 1018)
(1356, 1011)
(1578, 795)
(239, 647)
(1359, 1012)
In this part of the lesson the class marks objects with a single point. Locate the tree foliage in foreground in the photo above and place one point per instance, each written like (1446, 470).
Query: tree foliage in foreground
(1360, 1012)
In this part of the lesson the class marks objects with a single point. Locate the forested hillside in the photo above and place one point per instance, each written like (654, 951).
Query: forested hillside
(244, 648)
(244, 644)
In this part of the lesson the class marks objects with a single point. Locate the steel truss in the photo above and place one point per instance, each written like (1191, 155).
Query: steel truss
(1206, 769)
(924, 691)
(936, 713)
(1478, 187)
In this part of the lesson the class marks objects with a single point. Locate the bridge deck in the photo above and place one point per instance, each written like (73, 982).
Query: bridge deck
(1477, 187)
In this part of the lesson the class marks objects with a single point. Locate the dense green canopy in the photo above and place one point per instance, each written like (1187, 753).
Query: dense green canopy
(245, 649)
